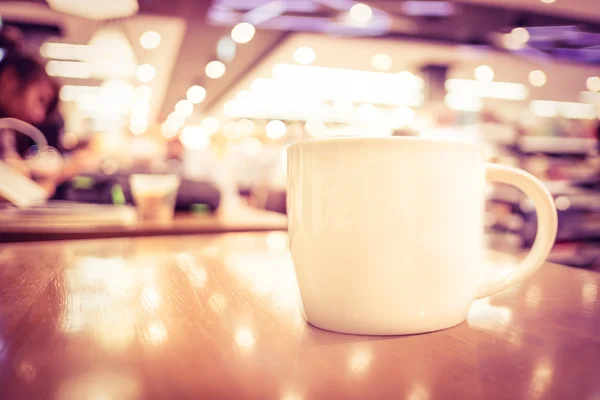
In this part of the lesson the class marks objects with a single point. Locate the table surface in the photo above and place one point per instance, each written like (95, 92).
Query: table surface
(217, 316)
(238, 218)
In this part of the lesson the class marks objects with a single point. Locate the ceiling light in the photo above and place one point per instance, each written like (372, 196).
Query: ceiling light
(138, 129)
(210, 125)
(215, 69)
(490, 90)
(510, 43)
(367, 112)
(403, 116)
(145, 73)
(96, 10)
(196, 94)
(74, 92)
(150, 40)
(407, 76)
(243, 32)
(194, 137)
(140, 109)
(550, 109)
(520, 35)
(593, 84)
(116, 96)
(226, 49)
(343, 105)
(143, 92)
(537, 78)
(176, 120)
(590, 97)
(546, 109)
(230, 108)
(111, 54)
(139, 113)
(252, 147)
(314, 127)
(185, 108)
(361, 13)
(462, 101)
(243, 96)
(326, 83)
(484, 73)
(169, 129)
(65, 51)
(381, 62)
(69, 69)
(231, 129)
(294, 131)
(246, 127)
(305, 55)
(275, 129)
(548, 1)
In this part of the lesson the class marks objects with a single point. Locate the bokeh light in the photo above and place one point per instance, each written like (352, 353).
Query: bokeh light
(243, 32)
(244, 338)
(593, 84)
(196, 94)
(169, 129)
(404, 116)
(210, 125)
(315, 127)
(246, 127)
(194, 137)
(381, 62)
(520, 36)
(252, 147)
(215, 69)
(537, 78)
(484, 73)
(185, 108)
(145, 73)
(143, 92)
(177, 120)
(367, 112)
(275, 129)
(361, 13)
(150, 40)
(304, 55)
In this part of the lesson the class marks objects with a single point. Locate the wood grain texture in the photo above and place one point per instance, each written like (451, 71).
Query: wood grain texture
(218, 317)
(238, 219)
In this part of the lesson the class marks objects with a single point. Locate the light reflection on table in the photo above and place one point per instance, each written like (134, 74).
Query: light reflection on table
(220, 317)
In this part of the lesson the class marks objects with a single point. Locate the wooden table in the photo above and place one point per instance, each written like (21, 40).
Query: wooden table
(231, 219)
(215, 317)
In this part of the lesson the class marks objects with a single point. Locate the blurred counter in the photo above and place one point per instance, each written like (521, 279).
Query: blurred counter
(227, 219)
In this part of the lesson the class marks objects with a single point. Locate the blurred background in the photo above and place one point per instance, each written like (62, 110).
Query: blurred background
(215, 91)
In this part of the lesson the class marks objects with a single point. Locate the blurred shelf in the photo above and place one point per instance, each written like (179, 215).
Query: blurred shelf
(556, 145)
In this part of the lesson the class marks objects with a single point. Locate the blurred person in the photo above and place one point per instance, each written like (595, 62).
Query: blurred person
(11, 39)
(29, 94)
(26, 93)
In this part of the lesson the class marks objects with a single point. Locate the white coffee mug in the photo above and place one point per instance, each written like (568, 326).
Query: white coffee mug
(386, 234)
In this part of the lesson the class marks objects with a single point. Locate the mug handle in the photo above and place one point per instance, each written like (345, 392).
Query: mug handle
(547, 222)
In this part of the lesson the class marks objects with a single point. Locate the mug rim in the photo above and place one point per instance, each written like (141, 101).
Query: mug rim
(361, 140)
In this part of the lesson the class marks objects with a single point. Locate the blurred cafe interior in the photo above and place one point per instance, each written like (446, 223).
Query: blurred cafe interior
(144, 247)
(213, 92)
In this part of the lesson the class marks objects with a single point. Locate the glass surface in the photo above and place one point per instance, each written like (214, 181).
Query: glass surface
(154, 196)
